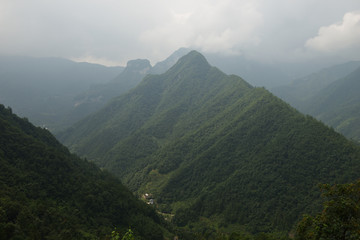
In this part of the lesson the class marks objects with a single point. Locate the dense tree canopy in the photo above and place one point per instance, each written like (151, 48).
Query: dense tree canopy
(215, 152)
(340, 217)
(47, 193)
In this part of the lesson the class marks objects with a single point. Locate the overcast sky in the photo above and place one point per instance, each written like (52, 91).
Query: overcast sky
(112, 32)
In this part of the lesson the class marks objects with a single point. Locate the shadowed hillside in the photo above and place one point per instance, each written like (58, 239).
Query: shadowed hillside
(47, 193)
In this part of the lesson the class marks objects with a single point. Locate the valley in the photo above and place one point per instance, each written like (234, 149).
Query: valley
(204, 155)
(194, 133)
(180, 120)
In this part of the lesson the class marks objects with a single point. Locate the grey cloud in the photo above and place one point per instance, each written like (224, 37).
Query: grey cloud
(114, 31)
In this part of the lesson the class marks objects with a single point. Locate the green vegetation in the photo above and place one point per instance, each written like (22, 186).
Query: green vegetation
(57, 93)
(98, 95)
(129, 235)
(339, 105)
(340, 217)
(47, 193)
(331, 95)
(218, 155)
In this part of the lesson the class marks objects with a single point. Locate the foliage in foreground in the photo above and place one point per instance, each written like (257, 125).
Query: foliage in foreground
(340, 217)
(129, 235)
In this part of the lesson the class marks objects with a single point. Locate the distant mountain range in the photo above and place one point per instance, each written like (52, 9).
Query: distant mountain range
(98, 95)
(214, 151)
(43, 89)
(265, 72)
(331, 95)
(56, 93)
(256, 73)
(339, 105)
(48, 193)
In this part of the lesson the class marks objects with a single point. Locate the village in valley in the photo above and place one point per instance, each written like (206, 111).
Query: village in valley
(148, 198)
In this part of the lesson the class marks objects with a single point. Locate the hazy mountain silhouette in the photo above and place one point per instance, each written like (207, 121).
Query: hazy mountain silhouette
(42, 89)
(330, 95)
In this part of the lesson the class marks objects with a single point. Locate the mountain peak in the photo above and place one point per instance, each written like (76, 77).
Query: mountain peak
(163, 66)
(139, 65)
(193, 59)
(195, 56)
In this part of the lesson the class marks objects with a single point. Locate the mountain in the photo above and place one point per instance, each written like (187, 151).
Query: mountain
(163, 66)
(56, 93)
(215, 152)
(98, 95)
(331, 95)
(265, 72)
(300, 90)
(256, 73)
(48, 193)
(338, 105)
(43, 89)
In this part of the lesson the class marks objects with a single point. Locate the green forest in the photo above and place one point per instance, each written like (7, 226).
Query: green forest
(331, 95)
(192, 153)
(217, 154)
(48, 193)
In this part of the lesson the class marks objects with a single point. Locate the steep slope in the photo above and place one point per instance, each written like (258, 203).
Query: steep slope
(47, 193)
(98, 95)
(43, 89)
(157, 104)
(215, 151)
(163, 66)
(338, 105)
(301, 90)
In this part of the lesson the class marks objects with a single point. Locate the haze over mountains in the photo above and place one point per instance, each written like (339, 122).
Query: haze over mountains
(249, 137)
(185, 133)
(42, 89)
(56, 93)
(258, 74)
(331, 95)
(98, 95)
(194, 133)
(339, 105)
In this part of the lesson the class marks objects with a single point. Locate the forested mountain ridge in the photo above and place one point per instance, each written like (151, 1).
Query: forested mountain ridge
(215, 151)
(99, 94)
(163, 66)
(47, 193)
(165, 97)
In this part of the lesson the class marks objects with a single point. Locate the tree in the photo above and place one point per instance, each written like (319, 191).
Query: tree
(340, 217)
(129, 235)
